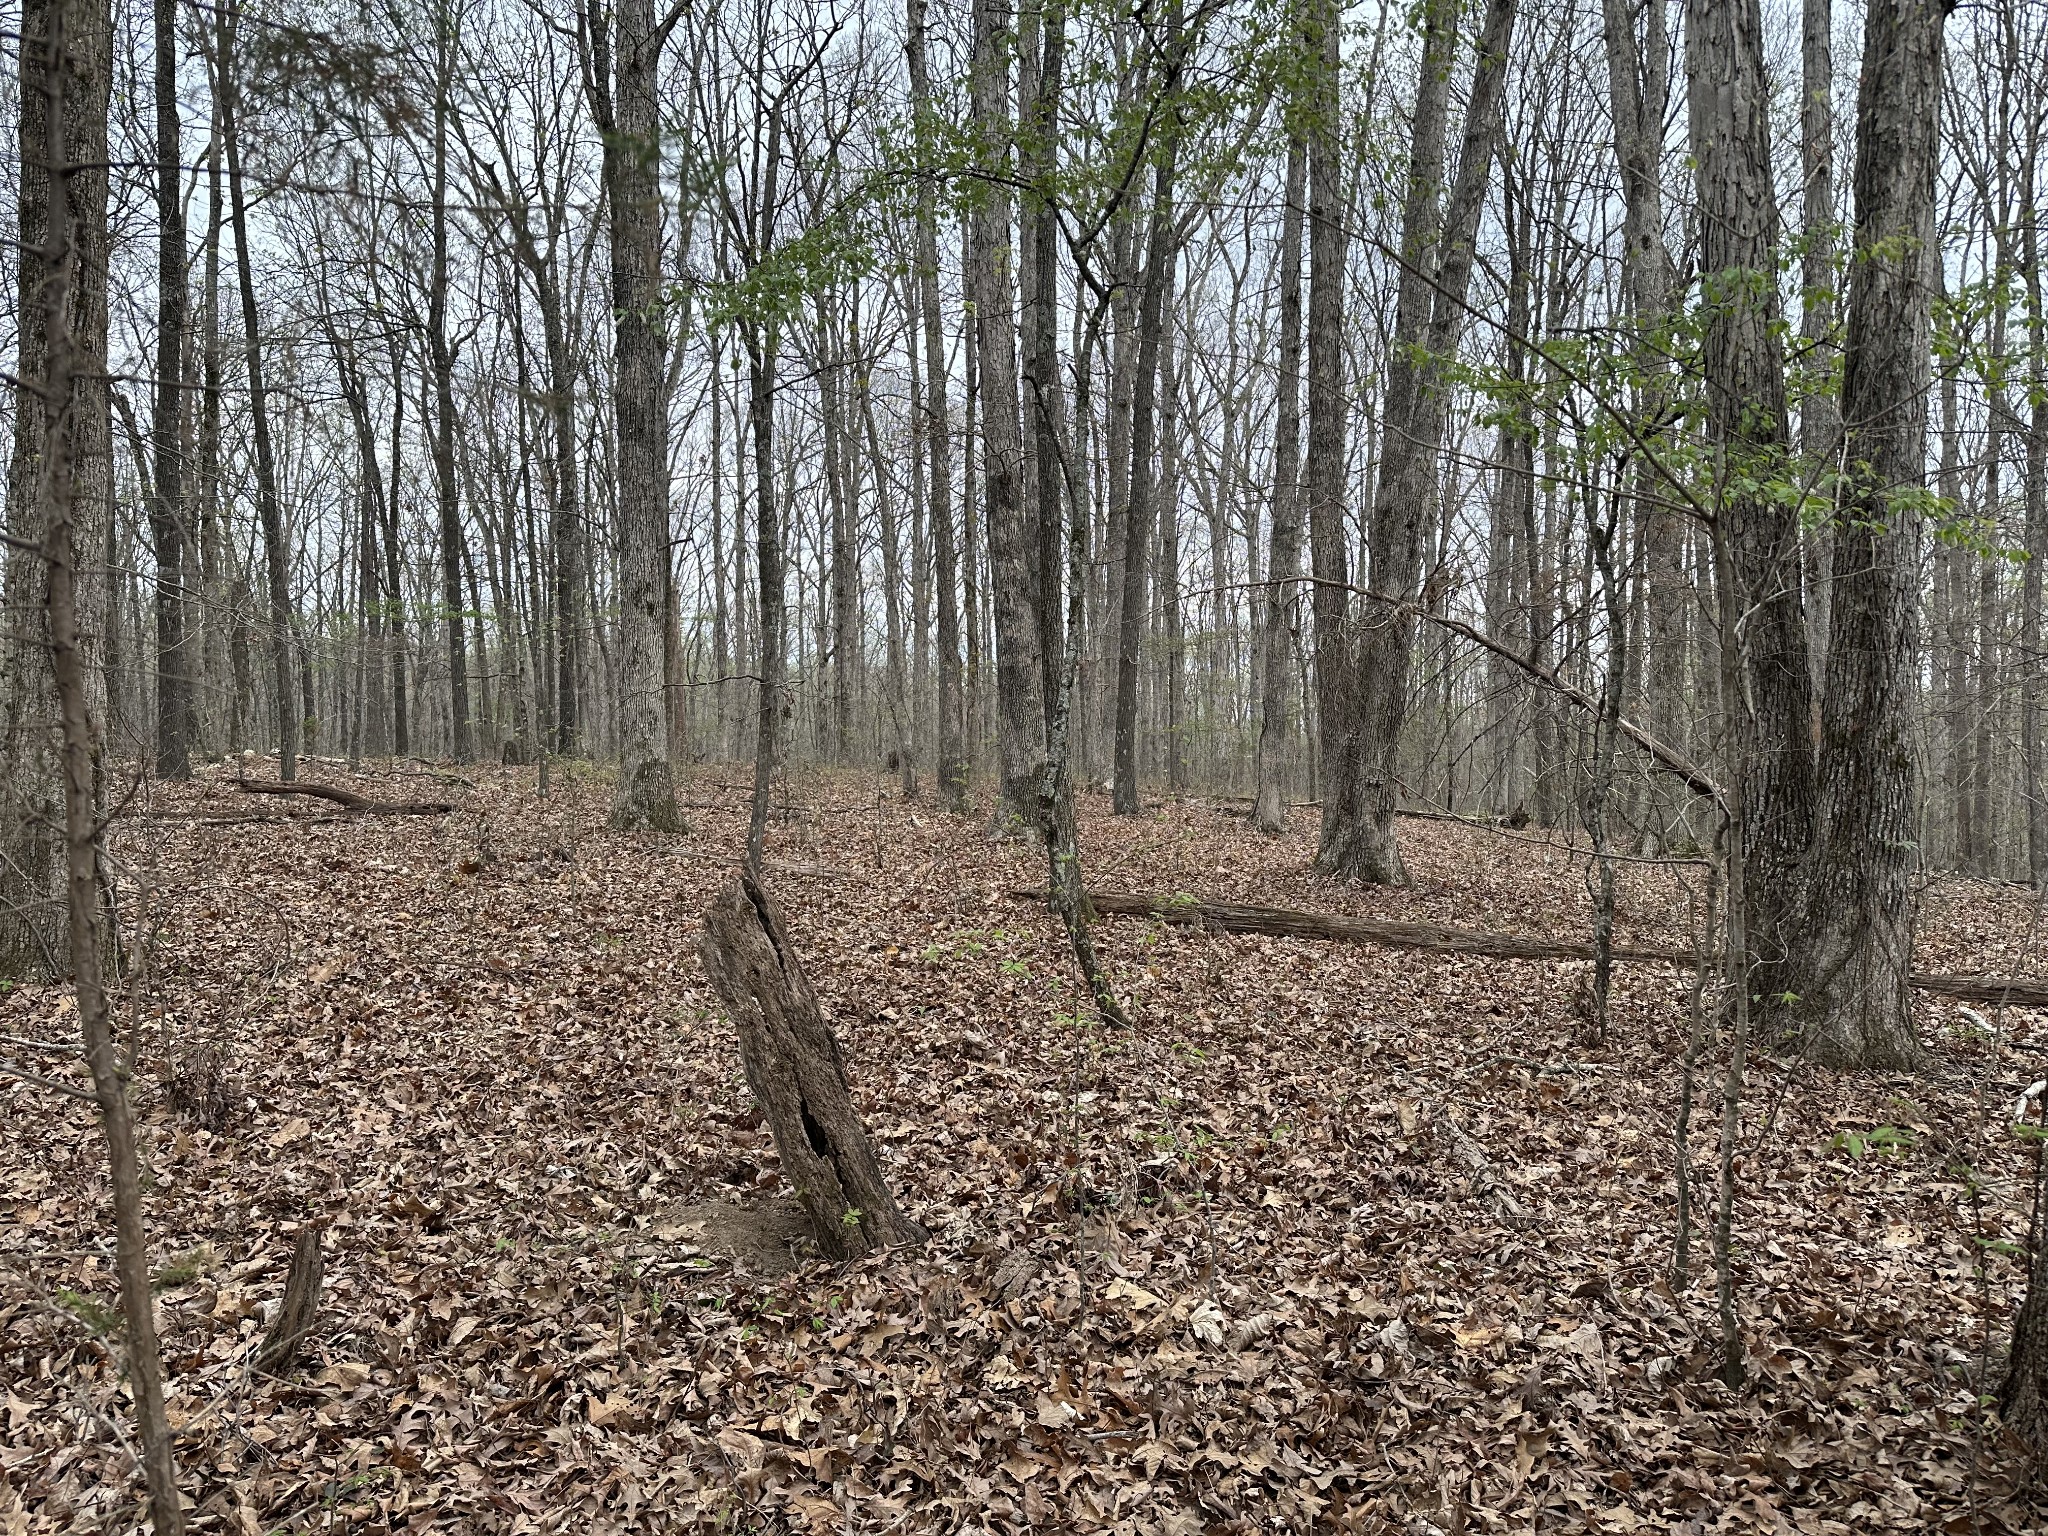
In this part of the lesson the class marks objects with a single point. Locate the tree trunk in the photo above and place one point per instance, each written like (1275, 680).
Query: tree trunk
(1359, 794)
(899, 726)
(269, 513)
(951, 764)
(167, 506)
(1012, 541)
(1820, 416)
(1045, 405)
(1858, 943)
(1160, 249)
(623, 81)
(773, 647)
(2033, 704)
(1638, 87)
(65, 82)
(1269, 808)
(442, 355)
(33, 927)
(794, 1066)
(1744, 372)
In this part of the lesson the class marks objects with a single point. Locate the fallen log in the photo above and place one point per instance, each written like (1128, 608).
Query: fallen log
(1286, 923)
(348, 799)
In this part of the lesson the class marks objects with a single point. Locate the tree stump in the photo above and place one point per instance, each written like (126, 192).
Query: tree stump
(795, 1069)
(301, 1305)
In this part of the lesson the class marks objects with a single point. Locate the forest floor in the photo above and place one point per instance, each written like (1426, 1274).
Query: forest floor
(1231, 1270)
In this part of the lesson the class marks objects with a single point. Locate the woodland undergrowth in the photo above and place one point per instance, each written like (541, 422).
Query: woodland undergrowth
(1222, 1272)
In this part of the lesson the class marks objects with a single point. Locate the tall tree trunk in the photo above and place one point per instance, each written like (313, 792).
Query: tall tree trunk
(1276, 663)
(1044, 401)
(215, 682)
(394, 586)
(1639, 89)
(760, 342)
(1161, 250)
(65, 62)
(442, 354)
(1013, 546)
(2033, 692)
(1820, 416)
(275, 556)
(64, 95)
(1859, 936)
(844, 646)
(1359, 794)
(951, 764)
(623, 87)
(1744, 370)
(1323, 475)
(167, 505)
(892, 599)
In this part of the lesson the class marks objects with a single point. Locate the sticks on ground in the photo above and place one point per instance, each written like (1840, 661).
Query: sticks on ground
(347, 799)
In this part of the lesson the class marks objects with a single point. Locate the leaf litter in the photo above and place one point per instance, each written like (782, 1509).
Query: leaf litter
(1233, 1270)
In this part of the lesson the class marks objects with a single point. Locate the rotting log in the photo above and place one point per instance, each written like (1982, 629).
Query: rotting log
(347, 799)
(1287, 923)
(795, 1068)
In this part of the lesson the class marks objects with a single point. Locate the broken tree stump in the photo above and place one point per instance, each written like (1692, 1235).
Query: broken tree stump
(301, 1304)
(795, 1069)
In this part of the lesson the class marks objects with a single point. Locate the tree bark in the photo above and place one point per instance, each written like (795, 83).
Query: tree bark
(623, 81)
(1859, 937)
(1820, 416)
(442, 355)
(167, 519)
(1012, 544)
(1360, 774)
(952, 759)
(63, 241)
(1161, 246)
(1744, 371)
(275, 556)
(1276, 662)
(794, 1066)
(1638, 87)
(65, 83)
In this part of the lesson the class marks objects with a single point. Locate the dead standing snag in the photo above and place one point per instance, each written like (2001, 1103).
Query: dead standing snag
(795, 1069)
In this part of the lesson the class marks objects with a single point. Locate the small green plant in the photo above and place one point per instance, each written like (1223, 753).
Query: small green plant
(1892, 1139)
(89, 1310)
(186, 1267)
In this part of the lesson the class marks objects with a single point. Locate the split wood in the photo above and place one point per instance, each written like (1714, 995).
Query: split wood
(794, 1066)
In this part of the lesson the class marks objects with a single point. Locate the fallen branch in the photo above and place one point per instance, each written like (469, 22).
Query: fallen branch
(1473, 1157)
(347, 799)
(1284, 922)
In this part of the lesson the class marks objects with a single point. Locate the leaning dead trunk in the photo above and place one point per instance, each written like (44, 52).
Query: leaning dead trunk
(795, 1069)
